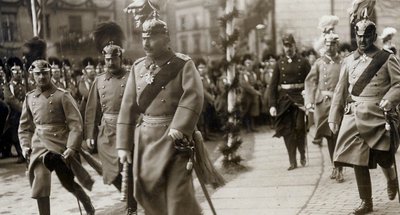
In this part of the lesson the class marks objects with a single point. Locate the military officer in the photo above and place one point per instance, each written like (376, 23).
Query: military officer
(287, 84)
(103, 106)
(56, 76)
(370, 82)
(319, 86)
(50, 133)
(164, 97)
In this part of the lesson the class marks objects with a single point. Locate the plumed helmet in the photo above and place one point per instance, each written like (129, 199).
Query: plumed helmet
(331, 38)
(15, 64)
(154, 26)
(55, 64)
(88, 63)
(39, 66)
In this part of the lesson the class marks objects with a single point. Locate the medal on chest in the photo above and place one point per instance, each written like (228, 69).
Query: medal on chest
(289, 60)
(149, 76)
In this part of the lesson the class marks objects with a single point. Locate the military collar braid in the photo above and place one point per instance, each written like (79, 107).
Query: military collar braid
(121, 72)
(47, 93)
(370, 52)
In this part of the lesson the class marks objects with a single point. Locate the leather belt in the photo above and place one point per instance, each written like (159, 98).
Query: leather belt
(326, 93)
(292, 86)
(110, 115)
(50, 126)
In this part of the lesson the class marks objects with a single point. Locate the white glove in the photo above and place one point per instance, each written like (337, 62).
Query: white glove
(90, 143)
(175, 134)
(69, 153)
(385, 105)
(272, 111)
(124, 156)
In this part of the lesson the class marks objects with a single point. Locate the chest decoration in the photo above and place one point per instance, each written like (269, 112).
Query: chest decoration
(364, 58)
(289, 60)
(149, 76)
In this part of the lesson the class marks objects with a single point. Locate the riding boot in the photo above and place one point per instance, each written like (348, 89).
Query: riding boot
(118, 182)
(44, 205)
(84, 199)
(131, 201)
(363, 179)
(392, 183)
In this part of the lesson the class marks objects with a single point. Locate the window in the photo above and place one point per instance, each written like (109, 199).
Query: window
(9, 28)
(184, 44)
(196, 21)
(75, 25)
(183, 23)
(197, 43)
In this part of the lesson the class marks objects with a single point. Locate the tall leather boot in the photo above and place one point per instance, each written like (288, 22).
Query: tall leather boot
(363, 179)
(84, 199)
(291, 149)
(131, 201)
(392, 183)
(44, 205)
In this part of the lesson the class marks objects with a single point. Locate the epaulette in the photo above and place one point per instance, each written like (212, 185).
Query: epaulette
(139, 60)
(183, 56)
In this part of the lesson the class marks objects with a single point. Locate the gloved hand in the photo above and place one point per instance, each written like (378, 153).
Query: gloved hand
(385, 105)
(69, 153)
(124, 156)
(272, 111)
(90, 143)
(175, 134)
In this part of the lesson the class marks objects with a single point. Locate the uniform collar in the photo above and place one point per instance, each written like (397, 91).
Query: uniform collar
(160, 61)
(370, 52)
(52, 89)
(328, 59)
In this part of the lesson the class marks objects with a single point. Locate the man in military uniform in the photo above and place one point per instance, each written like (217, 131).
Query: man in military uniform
(50, 133)
(104, 103)
(287, 84)
(14, 95)
(161, 104)
(319, 86)
(70, 79)
(56, 76)
(86, 82)
(369, 84)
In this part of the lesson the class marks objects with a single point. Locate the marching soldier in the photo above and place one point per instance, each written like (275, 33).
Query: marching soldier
(164, 97)
(287, 84)
(319, 86)
(86, 82)
(370, 82)
(51, 135)
(56, 76)
(104, 103)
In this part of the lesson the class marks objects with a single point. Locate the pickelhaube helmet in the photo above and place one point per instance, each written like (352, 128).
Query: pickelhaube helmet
(365, 26)
(55, 64)
(154, 26)
(39, 66)
(15, 65)
(331, 38)
(112, 50)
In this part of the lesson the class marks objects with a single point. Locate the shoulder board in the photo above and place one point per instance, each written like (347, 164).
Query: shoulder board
(183, 56)
(388, 50)
(139, 60)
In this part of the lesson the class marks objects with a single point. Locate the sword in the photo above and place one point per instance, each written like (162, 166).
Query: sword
(394, 143)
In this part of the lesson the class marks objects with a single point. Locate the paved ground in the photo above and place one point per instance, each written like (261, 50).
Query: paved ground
(263, 187)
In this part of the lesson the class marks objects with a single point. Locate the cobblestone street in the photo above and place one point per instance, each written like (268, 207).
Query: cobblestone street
(266, 187)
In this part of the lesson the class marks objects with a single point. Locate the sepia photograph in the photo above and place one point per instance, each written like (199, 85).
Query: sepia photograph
(199, 107)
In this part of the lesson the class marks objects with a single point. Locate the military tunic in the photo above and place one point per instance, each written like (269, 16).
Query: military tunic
(363, 125)
(104, 103)
(50, 121)
(319, 86)
(162, 185)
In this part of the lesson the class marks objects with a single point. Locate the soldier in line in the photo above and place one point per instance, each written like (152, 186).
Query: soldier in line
(103, 106)
(14, 95)
(56, 75)
(86, 82)
(162, 183)
(70, 79)
(287, 84)
(319, 86)
(50, 133)
(250, 92)
(369, 84)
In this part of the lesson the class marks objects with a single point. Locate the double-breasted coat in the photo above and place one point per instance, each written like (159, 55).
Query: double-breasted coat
(102, 108)
(50, 121)
(319, 86)
(287, 84)
(363, 125)
(162, 185)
